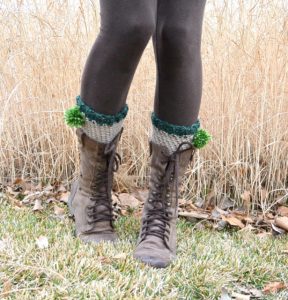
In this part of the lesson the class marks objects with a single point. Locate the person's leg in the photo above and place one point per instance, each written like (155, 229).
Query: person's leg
(177, 45)
(126, 27)
(176, 133)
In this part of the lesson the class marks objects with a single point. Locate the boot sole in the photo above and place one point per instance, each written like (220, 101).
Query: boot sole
(74, 188)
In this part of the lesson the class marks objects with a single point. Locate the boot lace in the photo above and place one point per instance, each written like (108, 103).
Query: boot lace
(157, 221)
(102, 186)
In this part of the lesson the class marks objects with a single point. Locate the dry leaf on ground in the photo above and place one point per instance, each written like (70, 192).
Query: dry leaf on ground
(225, 295)
(7, 287)
(283, 211)
(59, 211)
(238, 296)
(42, 242)
(274, 287)
(233, 221)
(64, 197)
(277, 230)
(128, 200)
(282, 222)
(61, 189)
(194, 214)
(38, 205)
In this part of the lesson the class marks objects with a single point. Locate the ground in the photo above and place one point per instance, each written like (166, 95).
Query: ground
(207, 261)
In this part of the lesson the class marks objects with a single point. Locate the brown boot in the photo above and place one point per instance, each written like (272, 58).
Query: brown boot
(90, 199)
(157, 239)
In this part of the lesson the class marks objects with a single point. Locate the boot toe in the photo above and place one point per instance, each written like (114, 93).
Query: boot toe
(96, 238)
(155, 262)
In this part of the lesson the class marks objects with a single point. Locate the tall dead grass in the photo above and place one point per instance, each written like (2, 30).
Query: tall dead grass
(43, 49)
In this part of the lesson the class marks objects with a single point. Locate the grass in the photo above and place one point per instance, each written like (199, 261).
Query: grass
(244, 97)
(68, 269)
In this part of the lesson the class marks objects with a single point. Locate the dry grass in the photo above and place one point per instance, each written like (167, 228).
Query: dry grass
(245, 107)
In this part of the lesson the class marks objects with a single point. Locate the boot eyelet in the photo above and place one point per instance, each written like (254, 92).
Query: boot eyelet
(167, 195)
(150, 200)
(168, 204)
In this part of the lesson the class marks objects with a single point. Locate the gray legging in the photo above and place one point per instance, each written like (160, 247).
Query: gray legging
(126, 27)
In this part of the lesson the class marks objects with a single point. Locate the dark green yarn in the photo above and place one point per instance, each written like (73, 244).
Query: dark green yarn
(101, 119)
(174, 129)
(201, 138)
(74, 117)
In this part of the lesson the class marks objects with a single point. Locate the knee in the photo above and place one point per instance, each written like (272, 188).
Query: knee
(182, 39)
(134, 32)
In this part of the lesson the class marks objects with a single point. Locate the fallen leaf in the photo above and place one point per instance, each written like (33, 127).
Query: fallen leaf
(283, 211)
(38, 205)
(194, 214)
(238, 296)
(269, 216)
(233, 221)
(273, 287)
(282, 222)
(36, 195)
(248, 228)
(224, 294)
(61, 188)
(51, 200)
(277, 230)
(7, 286)
(10, 191)
(64, 197)
(48, 188)
(42, 242)
(124, 212)
(128, 200)
(256, 293)
(59, 211)
(15, 202)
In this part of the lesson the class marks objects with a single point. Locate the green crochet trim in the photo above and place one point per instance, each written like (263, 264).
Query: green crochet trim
(74, 117)
(201, 138)
(174, 129)
(101, 119)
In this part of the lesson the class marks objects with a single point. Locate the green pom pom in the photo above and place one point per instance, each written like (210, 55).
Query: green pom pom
(201, 138)
(74, 117)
